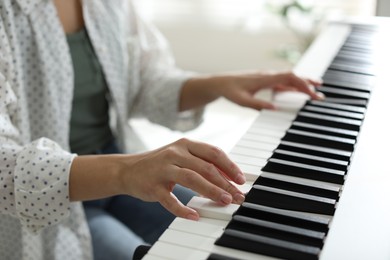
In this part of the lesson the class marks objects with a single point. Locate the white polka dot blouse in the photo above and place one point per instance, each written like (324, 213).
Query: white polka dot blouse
(37, 220)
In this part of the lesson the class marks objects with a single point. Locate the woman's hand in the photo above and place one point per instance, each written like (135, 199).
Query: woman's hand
(241, 88)
(201, 167)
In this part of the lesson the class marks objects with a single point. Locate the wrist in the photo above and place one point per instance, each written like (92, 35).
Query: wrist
(96, 176)
(197, 92)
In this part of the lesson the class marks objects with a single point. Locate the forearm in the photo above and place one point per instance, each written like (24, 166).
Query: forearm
(199, 91)
(96, 176)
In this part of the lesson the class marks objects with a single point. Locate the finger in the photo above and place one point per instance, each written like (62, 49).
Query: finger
(283, 88)
(304, 86)
(197, 183)
(217, 157)
(210, 172)
(258, 104)
(254, 103)
(173, 205)
(315, 83)
(238, 195)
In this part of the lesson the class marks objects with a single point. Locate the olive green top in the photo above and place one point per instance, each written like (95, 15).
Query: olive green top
(89, 124)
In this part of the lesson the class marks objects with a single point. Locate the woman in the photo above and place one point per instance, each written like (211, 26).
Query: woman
(53, 106)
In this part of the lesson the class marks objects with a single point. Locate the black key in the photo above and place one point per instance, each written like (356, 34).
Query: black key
(315, 150)
(358, 48)
(358, 68)
(289, 200)
(350, 78)
(332, 118)
(332, 121)
(337, 106)
(346, 84)
(333, 112)
(347, 55)
(214, 256)
(334, 188)
(310, 159)
(327, 141)
(331, 194)
(317, 133)
(275, 230)
(286, 217)
(304, 171)
(347, 101)
(343, 93)
(267, 246)
(325, 130)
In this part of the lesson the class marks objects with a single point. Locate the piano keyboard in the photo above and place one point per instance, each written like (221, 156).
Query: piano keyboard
(297, 161)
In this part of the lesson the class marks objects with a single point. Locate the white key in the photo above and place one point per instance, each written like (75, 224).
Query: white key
(255, 129)
(153, 257)
(213, 221)
(261, 138)
(196, 237)
(197, 243)
(272, 124)
(240, 254)
(242, 159)
(257, 145)
(244, 188)
(198, 227)
(279, 114)
(277, 122)
(175, 252)
(251, 172)
(250, 152)
(190, 240)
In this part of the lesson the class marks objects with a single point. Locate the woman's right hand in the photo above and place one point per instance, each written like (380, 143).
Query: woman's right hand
(203, 168)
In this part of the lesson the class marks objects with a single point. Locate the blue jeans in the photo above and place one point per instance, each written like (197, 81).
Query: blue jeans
(120, 224)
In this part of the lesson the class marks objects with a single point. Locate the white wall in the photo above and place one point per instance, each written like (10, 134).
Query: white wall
(220, 35)
(214, 49)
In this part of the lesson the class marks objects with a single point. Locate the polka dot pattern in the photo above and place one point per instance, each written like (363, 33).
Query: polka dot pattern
(36, 89)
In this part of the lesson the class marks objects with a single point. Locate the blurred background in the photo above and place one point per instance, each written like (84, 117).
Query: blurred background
(226, 35)
(220, 35)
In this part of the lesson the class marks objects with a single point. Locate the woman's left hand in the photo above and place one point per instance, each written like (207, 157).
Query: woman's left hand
(241, 88)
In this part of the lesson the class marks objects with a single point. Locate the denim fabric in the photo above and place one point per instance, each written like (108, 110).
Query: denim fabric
(120, 224)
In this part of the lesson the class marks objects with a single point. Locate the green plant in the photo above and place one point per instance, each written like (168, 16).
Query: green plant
(302, 21)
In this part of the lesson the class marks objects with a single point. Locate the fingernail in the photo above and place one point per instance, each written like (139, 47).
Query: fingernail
(193, 216)
(239, 198)
(240, 179)
(320, 95)
(226, 198)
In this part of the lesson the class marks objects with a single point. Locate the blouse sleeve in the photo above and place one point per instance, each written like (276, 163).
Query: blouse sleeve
(161, 80)
(33, 176)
